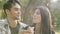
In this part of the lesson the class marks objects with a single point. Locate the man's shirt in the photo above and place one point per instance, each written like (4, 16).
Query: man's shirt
(4, 26)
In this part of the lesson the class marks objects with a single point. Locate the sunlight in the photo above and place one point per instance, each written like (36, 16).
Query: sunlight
(54, 0)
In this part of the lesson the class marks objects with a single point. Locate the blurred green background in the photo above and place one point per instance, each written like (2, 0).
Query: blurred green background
(28, 7)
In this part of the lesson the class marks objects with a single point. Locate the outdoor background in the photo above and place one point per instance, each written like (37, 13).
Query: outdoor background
(28, 7)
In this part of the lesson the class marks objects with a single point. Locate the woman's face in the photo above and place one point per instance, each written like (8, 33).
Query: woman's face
(36, 16)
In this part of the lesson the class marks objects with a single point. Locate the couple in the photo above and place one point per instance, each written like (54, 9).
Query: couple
(12, 24)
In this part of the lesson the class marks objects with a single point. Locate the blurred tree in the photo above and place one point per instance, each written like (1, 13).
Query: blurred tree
(29, 5)
(28, 10)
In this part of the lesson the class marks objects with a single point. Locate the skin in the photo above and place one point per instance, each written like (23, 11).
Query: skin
(45, 25)
(14, 15)
(36, 16)
(37, 20)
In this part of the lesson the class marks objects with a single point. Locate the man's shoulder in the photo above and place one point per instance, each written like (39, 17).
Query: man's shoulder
(3, 22)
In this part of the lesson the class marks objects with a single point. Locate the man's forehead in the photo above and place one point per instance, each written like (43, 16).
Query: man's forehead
(16, 5)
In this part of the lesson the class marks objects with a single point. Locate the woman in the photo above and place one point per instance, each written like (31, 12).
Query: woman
(42, 19)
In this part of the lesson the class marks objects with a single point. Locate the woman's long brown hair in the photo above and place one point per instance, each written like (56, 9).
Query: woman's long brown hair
(46, 22)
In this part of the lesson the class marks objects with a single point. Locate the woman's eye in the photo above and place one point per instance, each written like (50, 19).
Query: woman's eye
(38, 13)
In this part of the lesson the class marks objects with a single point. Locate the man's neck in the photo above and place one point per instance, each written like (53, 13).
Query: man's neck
(12, 22)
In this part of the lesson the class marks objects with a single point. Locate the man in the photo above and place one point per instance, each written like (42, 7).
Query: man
(12, 24)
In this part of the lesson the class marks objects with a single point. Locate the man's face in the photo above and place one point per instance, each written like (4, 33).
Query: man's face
(15, 11)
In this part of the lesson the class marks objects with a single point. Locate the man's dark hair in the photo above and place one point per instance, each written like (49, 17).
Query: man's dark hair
(9, 3)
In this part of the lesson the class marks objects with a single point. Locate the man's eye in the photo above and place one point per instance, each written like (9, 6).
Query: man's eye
(16, 9)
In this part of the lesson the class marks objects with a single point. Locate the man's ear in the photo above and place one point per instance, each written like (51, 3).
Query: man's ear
(7, 11)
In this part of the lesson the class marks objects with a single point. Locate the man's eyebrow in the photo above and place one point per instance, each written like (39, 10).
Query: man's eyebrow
(16, 8)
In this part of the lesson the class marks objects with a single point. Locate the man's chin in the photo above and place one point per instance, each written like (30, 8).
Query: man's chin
(17, 18)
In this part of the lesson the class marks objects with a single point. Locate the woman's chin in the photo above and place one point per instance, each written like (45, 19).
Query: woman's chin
(35, 22)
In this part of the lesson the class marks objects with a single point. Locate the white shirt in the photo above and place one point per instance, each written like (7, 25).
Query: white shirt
(5, 27)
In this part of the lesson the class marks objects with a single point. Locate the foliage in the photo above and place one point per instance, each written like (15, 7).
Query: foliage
(25, 3)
